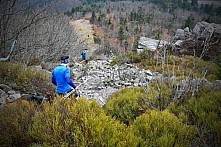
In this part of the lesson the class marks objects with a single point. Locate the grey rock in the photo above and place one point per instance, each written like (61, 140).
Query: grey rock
(187, 32)
(102, 82)
(150, 44)
(180, 34)
(204, 29)
(178, 43)
(3, 96)
(96, 95)
(11, 92)
(14, 96)
(128, 84)
(5, 88)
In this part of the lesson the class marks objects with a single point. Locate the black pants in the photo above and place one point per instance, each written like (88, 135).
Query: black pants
(62, 94)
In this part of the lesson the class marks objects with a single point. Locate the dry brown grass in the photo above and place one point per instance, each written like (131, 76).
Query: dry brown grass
(98, 31)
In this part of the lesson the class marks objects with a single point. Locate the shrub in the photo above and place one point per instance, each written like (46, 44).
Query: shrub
(201, 66)
(26, 78)
(144, 54)
(145, 63)
(134, 58)
(160, 97)
(203, 111)
(83, 123)
(161, 128)
(119, 59)
(174, 59)
(127, 104)
(34, 60)
(97, 39)
(15, 121)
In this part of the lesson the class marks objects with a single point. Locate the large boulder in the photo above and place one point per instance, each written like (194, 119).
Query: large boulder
(150, 44)
(182, 34)
(204, 29)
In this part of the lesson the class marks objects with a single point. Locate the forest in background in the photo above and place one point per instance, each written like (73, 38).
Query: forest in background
(140, 116)
(122, 23)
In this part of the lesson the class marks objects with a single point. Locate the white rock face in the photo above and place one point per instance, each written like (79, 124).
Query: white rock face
(150, 44)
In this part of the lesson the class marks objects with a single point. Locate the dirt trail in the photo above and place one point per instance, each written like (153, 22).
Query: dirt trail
(85, 30)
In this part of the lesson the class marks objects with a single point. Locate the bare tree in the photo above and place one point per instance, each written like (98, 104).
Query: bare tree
(42, 33)
(15, 17)
(48, 40)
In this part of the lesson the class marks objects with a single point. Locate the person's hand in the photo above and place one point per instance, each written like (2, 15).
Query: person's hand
(71, 64)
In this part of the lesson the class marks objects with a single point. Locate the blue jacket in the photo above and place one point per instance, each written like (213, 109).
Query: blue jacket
(61, 78)
(84, 54)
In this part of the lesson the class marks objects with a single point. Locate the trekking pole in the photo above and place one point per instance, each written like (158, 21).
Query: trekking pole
(76, 89)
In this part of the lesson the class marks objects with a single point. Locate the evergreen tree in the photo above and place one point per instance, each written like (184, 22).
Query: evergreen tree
(132, 15)
(140, 14)
(135, 45)
(93, 17)
(189, 22)
(121, 33)
(186, 4)
(194, 4)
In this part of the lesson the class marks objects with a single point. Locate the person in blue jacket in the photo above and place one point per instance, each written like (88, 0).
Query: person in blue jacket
(84, 56)
(61, 77)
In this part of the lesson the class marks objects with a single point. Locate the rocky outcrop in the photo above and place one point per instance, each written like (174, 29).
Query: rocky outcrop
(205, 38)
(182, 34)
(204, 29)
(99, 80)
(149, 44)
(201, 30)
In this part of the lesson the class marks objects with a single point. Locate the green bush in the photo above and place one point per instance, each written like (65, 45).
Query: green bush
(203, 111)
(134, 58)
(159, 95)
(117, 59)
(26, 78)
(83, 123)
(63, 123)
(173, 59)
(199, 67)
(144, 54)
(161, 129)
(15, 121)
(145, 63)
(127, 104)
(97, 39)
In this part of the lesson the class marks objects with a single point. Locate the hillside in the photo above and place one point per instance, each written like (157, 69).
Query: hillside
(153, 75)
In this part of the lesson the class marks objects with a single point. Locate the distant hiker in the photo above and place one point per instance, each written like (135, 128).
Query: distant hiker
(84, 56)
(61, 77)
